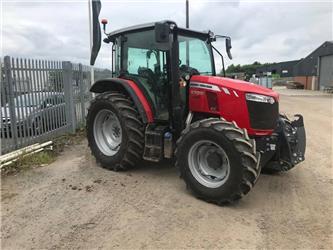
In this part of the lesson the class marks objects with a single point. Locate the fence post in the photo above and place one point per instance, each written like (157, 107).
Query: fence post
(10, 86)
(91, 95)
(67, 68)
(2, 101)
(82, 94)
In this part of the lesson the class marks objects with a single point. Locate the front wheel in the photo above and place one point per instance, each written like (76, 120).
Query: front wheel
(217, 160)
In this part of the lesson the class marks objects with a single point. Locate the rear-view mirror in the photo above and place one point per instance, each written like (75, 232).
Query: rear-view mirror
(228, 47)
(162, 31)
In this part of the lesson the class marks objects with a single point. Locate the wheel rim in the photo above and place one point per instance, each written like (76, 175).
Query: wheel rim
(209, 163)
(107, 132)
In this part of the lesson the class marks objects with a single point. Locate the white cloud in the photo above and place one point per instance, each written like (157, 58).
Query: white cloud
(261, 31)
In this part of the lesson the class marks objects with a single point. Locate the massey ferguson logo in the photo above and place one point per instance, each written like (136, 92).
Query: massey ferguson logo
(205, 86)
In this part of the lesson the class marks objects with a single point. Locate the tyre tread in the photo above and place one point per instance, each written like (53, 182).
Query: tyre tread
(134, 128)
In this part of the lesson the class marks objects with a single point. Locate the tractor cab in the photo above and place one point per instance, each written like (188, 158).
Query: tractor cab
(161, 58)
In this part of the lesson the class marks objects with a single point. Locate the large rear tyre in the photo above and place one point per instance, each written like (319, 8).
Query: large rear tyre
(217, 160)
(115, 131)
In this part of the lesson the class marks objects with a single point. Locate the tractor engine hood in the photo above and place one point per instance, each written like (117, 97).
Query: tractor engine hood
(228, 84)
(251, 106)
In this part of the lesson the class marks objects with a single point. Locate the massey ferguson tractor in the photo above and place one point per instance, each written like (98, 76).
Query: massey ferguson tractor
(165, 101)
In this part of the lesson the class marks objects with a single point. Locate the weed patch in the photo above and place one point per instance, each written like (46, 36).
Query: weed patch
(45, 157)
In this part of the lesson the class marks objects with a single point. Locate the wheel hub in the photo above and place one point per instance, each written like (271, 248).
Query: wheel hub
(214, 160)
(107, 132)
(209, 163)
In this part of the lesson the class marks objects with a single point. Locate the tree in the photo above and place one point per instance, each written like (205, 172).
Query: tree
(234, 69)
(247, 69)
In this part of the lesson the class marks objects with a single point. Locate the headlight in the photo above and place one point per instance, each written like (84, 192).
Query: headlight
(259, 98)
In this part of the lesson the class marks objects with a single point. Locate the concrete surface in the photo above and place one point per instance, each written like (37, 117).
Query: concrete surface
(300, 92)
(72, 203)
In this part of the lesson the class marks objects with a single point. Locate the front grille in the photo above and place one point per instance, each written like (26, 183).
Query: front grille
(263, 115)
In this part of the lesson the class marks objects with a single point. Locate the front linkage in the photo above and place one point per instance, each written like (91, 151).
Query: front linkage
(285, 148)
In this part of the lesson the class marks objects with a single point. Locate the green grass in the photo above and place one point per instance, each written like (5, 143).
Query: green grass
(29, 161)
(38, 159)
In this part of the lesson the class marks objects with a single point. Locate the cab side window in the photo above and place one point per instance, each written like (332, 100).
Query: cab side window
(138, 58)
(198, 54)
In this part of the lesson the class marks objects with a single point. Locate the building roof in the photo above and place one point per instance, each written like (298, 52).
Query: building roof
(323, 50)
(274, 65)
(304, 67)
(308, 65)
(284, 69)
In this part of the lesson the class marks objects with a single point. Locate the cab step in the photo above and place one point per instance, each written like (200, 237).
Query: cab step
(154, 142)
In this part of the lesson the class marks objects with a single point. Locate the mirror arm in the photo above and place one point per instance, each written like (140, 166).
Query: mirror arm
(107, 40)
(228, 38)
(218, 52)
(220, 36)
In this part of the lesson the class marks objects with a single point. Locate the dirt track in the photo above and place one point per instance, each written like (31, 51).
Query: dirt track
(74, 204)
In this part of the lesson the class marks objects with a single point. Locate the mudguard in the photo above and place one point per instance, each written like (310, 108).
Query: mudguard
(131, 89)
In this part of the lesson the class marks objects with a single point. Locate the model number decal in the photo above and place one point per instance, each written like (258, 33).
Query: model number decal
(197, 92)
(205, 86)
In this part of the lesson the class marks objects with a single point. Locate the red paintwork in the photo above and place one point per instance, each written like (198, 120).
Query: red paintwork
(231, 107)
(142, 99)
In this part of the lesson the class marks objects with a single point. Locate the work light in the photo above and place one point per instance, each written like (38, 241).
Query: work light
(259, 98)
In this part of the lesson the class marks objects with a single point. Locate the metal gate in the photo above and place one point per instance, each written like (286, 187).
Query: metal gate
(41, 100)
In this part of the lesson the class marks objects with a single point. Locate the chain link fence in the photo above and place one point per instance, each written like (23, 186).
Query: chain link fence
(41, 100)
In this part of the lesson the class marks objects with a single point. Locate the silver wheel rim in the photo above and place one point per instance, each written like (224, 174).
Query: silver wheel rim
(107, 132)
(209, 163)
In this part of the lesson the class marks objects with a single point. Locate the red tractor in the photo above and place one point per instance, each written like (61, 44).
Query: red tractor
(164, 100)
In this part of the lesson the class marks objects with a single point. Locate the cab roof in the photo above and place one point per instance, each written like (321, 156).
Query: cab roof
(150, 26)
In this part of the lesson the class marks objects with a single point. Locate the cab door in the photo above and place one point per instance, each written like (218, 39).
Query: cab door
(144, 62)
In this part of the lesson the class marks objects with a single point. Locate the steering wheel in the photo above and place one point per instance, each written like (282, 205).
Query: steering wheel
(186, 72)
(148, 74)
(152, 79)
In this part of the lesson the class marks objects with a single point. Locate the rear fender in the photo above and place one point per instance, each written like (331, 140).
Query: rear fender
(129, 88)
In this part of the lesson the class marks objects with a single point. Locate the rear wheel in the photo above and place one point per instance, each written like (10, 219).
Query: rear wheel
(114, 130)
(217, 160)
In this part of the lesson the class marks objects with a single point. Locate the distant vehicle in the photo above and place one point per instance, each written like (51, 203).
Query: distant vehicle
(35, 114)
(294, 85)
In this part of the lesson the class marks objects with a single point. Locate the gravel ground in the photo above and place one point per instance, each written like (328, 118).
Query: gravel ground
(72, 203)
